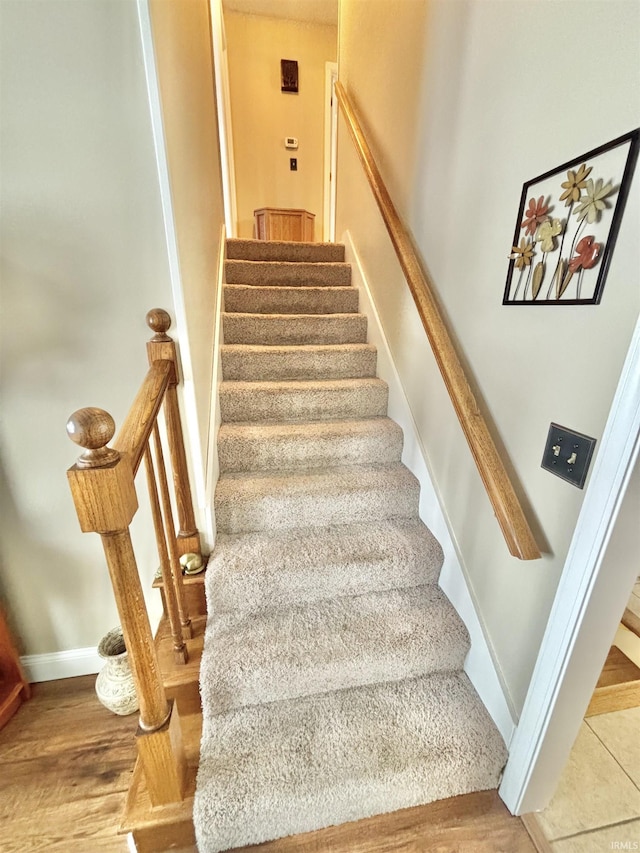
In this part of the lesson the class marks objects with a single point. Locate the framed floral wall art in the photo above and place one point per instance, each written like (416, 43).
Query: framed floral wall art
(567, 227)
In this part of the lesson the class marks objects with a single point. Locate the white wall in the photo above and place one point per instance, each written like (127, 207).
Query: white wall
(463, 102)
(83, 259)
(194, 210)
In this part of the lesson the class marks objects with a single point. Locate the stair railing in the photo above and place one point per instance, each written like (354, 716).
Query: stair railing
(104, 492)
(499, 488)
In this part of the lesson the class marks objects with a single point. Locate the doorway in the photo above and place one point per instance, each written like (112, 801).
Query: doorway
(586, 611)
(278, 124)
(597, 801)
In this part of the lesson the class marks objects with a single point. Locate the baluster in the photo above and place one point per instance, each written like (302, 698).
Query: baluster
(161, 346)
(180, 652)
(103, 489)
(170, 531)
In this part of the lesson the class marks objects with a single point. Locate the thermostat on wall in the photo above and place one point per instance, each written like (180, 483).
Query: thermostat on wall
(290, 142)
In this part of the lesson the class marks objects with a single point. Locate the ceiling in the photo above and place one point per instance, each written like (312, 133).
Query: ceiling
(316, 11)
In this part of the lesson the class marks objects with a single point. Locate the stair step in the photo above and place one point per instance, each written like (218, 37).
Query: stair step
(267, 447)
(331, 645)
(294, 328)
(329, 361)
(303, 400)
(268, 771)
(276, 250)
(270, 501)
(254, 299)
(263, 570)
(287, 274)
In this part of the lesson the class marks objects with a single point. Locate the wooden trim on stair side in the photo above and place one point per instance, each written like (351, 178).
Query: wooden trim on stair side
(500, 490)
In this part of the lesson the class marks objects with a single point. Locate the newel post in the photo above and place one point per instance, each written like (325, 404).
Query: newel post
(103, 489)
(162, 347)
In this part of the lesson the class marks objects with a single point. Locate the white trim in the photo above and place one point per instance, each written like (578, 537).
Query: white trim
(213, 468)
(190, 417)
(585, 612)
(330, 151)
(223, 105)
(479, 664)
(55, 665)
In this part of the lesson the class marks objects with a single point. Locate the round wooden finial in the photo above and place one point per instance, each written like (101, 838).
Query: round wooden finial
(93, 429)
(158, 320)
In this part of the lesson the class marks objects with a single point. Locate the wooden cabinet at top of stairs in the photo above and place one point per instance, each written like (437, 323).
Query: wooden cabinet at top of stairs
(278, 223)
(14, 688)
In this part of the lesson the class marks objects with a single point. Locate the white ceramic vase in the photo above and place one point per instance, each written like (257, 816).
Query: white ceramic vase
(115, 687)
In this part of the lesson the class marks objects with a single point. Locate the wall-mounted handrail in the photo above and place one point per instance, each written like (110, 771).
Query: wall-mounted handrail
(507, 507)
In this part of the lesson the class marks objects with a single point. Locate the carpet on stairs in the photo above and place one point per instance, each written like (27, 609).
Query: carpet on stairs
(332, 675)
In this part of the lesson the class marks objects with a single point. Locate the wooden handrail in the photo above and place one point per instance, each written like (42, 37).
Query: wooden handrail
(103, 487)
(507, 507)
(137, 427)
(104, 494)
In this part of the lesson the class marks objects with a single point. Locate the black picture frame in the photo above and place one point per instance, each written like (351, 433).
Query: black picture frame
(288, 75)
(527, 280)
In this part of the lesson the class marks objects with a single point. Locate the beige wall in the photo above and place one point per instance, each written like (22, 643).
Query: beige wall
(182, 44)
(262, 115)
(83, 259)
(459, 119)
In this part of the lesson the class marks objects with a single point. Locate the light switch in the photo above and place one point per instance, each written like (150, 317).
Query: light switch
(568, 454)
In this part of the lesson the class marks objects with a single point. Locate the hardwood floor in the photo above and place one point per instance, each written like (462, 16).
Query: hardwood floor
(65, 767)
(66, 764)
(476, 823)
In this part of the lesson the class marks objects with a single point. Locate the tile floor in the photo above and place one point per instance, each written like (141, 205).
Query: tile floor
(596, 807)
(597, 802)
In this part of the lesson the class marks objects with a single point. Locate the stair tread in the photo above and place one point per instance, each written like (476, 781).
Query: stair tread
(245, 249)
(275, 316)
(235, 263)
(269, 500)
(310, 444)
(332, 644)
(280, 273)
(266, 329)
(343, 477)
(297, 399)
(320, 290)
(230, 385)
(328, 429)
(294, 766)
(313, 563)
(264, 299)
(294, 349)
(297, 361)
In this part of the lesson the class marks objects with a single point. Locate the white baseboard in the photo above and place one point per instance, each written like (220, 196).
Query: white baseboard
(55, 665)
(479, 664)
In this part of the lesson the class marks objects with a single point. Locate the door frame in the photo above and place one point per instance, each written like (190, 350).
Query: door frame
(330, 151)
(585, 613)
(223, 108)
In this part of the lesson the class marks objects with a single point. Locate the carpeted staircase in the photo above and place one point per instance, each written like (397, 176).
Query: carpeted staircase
(332, 683)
